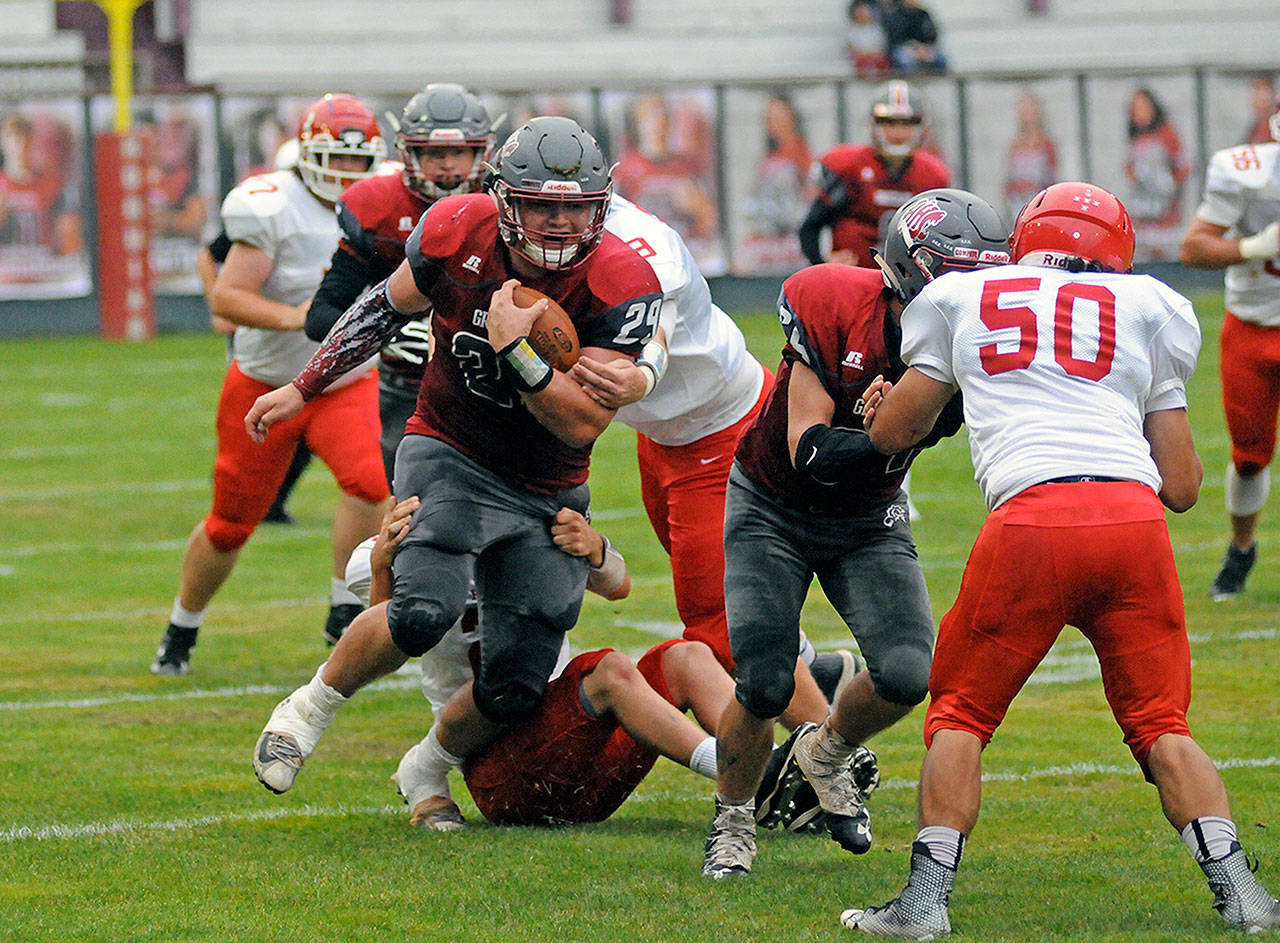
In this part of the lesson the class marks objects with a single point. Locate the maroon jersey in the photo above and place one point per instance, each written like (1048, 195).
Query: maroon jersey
(376, 215)
(466, 400)
(873, 195)
(834, 318)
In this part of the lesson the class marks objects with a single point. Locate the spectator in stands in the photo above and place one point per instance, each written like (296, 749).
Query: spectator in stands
(865, 40)
(780, 195)
(913, 38)
(1262, 101)
(34, 209)
(1157, 170)
(1032, 162)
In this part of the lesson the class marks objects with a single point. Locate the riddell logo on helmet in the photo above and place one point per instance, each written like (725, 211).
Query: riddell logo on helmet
(561, 186)
(445, 135)
(922, 217)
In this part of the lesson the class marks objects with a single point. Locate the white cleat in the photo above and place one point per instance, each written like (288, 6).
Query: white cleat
(430, 811)
(284, 745)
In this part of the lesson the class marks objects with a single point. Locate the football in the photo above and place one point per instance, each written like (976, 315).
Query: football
(553, 335)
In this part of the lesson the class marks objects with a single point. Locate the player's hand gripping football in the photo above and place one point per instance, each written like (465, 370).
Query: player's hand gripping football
(508, 321)
(282, 403)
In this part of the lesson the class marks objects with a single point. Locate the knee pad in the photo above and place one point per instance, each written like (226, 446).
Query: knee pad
(902, 677)
(509, 701)
(227, 535)
(1246, 494)
(765, 689)
(417, 625)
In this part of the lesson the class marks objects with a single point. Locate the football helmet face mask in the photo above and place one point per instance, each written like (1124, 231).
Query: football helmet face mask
(897, 103)
(1075, 226)
(337, 126)
(549, 161)
(443, 115)
(937, 231)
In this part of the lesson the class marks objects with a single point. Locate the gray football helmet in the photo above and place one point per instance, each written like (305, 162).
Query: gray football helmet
(443, 114)
(551, 159)
(940, 231)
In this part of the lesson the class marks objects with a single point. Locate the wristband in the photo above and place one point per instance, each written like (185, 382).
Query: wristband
(609, 575)
(530, 373)
(653, 361)
(1263, 245)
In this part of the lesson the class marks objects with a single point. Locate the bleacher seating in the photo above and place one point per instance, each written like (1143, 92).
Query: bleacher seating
(243, 45)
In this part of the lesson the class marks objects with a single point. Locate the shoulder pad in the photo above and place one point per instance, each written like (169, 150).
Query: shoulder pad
(252, 207)
(1248, 165)
(655, 242)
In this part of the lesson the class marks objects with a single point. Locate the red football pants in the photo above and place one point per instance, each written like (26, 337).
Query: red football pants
(1095, 555)
(683, 489)
(1249, 360)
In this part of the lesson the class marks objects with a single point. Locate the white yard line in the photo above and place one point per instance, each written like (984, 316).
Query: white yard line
(70, 832)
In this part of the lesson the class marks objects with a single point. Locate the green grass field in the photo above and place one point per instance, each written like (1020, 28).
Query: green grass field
(128, 809)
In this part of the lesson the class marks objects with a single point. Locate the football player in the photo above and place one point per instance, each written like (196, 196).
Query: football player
(1080, 440)
(599, 729)
(809, 496)
(443, 137)
(283, 230)
(1237, 228)
(860, 185)
(500, 441)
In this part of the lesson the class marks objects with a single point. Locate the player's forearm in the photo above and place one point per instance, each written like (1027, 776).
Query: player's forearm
(356, 337)
(567, 412)
(249, 309)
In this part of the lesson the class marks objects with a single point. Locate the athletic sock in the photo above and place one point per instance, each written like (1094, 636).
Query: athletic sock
(185, 618)
(339, 595)
(945, 844)
(807, 652)
(434, 763)
(1210, 837)
(317, 701)
(703, 759)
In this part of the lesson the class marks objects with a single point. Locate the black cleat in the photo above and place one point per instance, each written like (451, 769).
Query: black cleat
(174, 654)
(340, 616)
(1235, 568)
(278, 515)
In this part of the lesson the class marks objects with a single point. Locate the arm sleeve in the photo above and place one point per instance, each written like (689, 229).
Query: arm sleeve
(354, 339)
(341, 285)
(824, 210)
(926, 339)
(1174, 350)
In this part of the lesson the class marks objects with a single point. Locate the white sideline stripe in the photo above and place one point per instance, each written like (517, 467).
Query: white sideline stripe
(95, 488)
(1087, 769)
(152, 612)
(96, 829)
(56, 831)
(274, 536)
(390, 684)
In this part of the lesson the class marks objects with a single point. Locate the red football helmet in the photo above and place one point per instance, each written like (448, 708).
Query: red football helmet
(1076, 226)
(337, 126)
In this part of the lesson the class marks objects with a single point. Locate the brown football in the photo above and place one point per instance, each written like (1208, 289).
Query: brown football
(553, 335)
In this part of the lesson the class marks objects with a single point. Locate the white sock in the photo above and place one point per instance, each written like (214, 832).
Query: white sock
(1210, 837)
(703, 759)
(339, 595)
(434, 763)
(185, 618)
(945, 844)
(807, 652)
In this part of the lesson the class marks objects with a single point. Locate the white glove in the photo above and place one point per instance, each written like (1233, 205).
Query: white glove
(1263, 245)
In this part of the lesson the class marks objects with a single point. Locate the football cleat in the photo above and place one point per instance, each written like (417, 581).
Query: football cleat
(428, 809)
(341, 615)
(831, 775)
(1235, 569)
(834, 670)
(731, 844)
(919, 913)
(285, 743)
(785, 796)
(1237, 895)
(174, 655)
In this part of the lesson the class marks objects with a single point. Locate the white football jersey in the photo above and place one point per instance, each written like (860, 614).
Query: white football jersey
(276, 213)
(1058, 370)
(711, 380)
(1242, 192)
